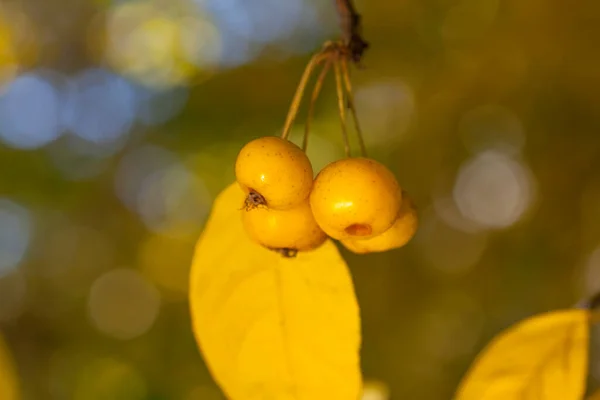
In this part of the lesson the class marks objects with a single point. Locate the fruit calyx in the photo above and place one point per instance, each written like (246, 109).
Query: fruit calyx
(286, 252)
(254, 199)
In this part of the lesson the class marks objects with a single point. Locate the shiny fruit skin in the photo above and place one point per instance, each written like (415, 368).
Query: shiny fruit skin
(397, 236)
(276, 169)
(355, 197)
(294, 228)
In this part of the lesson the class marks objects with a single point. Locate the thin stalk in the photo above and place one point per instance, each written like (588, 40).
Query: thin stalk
(341, 105)
(293, 111)
(351, 105)
(313, 100)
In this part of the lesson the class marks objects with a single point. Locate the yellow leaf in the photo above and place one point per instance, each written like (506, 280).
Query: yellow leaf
(8, 378)
(544, 357)
(269, 327)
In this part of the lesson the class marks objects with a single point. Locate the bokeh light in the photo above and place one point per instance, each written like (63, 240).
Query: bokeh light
(18, 41)
(9, 63)
(386, 110)
(160, 44)
(16, 226)
(494, 190)
(247, 27)
(165, 194)
(27, 95)
(100, 106)
(122, 304)
(173, 200)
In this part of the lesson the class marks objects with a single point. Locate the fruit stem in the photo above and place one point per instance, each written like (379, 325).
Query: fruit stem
(351, 106)
(341, 105)
(293, 111)
(313, 100)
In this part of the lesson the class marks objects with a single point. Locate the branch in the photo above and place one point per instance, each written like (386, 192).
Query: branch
(590, 303)
(351, 29)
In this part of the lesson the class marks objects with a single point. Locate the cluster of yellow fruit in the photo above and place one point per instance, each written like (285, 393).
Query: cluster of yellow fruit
(357, 201)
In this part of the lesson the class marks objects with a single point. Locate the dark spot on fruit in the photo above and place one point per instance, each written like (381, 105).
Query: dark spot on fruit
(359, 230)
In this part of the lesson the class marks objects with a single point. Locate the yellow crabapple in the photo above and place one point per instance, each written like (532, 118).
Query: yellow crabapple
(273, 172)
(291, 229)
(355, 198)
(401, 232)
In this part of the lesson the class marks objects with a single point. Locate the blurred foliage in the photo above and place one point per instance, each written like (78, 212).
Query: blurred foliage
(120, 122)
(543, 357)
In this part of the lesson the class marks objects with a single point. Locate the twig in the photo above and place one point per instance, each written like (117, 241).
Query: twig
(351, 29)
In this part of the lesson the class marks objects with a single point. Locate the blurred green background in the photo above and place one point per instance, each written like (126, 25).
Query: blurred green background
(120, 122)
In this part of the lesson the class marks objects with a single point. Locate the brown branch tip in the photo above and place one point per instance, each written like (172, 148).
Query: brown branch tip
(351, 29)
